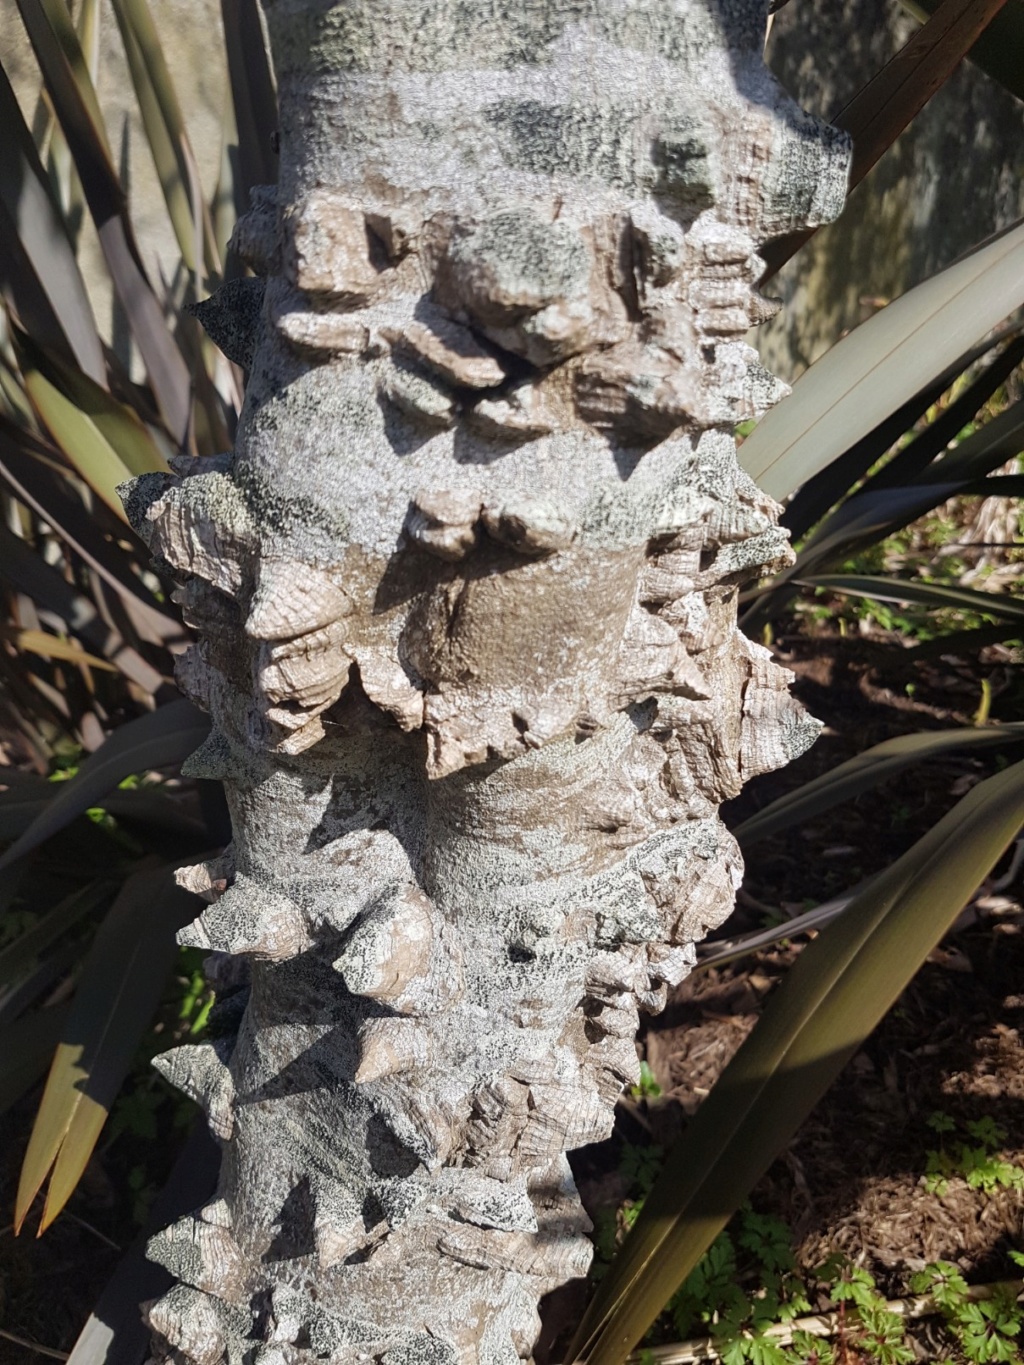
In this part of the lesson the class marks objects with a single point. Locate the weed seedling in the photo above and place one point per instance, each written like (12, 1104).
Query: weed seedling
(747, 1283)
(975, 1161)
(875, 1331)
(987, 1329)
(647, 1087)
(758, 1254)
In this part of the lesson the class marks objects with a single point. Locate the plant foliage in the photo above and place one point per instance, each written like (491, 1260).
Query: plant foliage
(89, 630)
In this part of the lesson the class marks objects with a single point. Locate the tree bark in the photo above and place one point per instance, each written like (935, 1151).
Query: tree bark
(465, 594)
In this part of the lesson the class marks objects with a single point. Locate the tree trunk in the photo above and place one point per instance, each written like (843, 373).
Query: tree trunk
(466, 600)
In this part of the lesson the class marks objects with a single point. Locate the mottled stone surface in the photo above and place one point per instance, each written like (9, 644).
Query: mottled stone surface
(953, 178)
(466, 601)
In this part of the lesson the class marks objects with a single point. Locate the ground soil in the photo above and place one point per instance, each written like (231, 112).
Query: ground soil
(852, 1179)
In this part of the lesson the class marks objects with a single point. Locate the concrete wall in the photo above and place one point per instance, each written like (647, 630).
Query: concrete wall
(954, 177)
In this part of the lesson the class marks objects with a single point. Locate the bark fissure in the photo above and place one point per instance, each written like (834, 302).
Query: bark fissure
(465, 596)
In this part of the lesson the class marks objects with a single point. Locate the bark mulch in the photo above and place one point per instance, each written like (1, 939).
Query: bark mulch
(852, 1181)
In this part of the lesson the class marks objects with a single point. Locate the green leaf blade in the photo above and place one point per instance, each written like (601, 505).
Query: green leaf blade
(894, 355)
(865, 771)
(117, 994)
(934, 595)
(155, 740)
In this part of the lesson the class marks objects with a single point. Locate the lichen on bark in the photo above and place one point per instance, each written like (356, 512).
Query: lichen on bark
(465, 597)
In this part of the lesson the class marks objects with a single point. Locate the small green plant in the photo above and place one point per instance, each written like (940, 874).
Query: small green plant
(811, 1350)
(977, 1161)
(639, 1165)
(747, 1285)
(757, 1253)
(143, 1193)
(877, 1332)
(941, 1123)
(986, 1329)
(198, 998)
(647, 1088)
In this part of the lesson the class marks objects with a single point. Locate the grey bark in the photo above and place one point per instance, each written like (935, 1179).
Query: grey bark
(466, 600)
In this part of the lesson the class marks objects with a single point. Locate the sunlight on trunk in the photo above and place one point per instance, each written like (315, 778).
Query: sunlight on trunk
(465, 594)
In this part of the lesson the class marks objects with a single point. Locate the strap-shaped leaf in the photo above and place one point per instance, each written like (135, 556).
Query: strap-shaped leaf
(36, 476)
(26, 1047)
(836, 993)
(85, 446)
(28, 707)
(117, 992)
(118, 425)
(167, 137)
(19, 806)
(879, 113)
(16, 815)
(29, 945)
(52, 647)
(115, 1333)
(994, 445)
(156, 740)
(934, 595)
(867, 518)
(864, 520)
(254, 96)
(25, 570)
(864, 771)
(1000, 49)
(720, 951)
(867, 375)
(16, 778)
(957, 643)
(831, 484)
(166, 820)
(38, 983)
(74, 101)
(874, 516)
(917, 459)
(37, 263)
(169, 823)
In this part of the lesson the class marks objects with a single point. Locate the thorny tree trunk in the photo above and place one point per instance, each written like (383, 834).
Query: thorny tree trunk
(466, 598)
